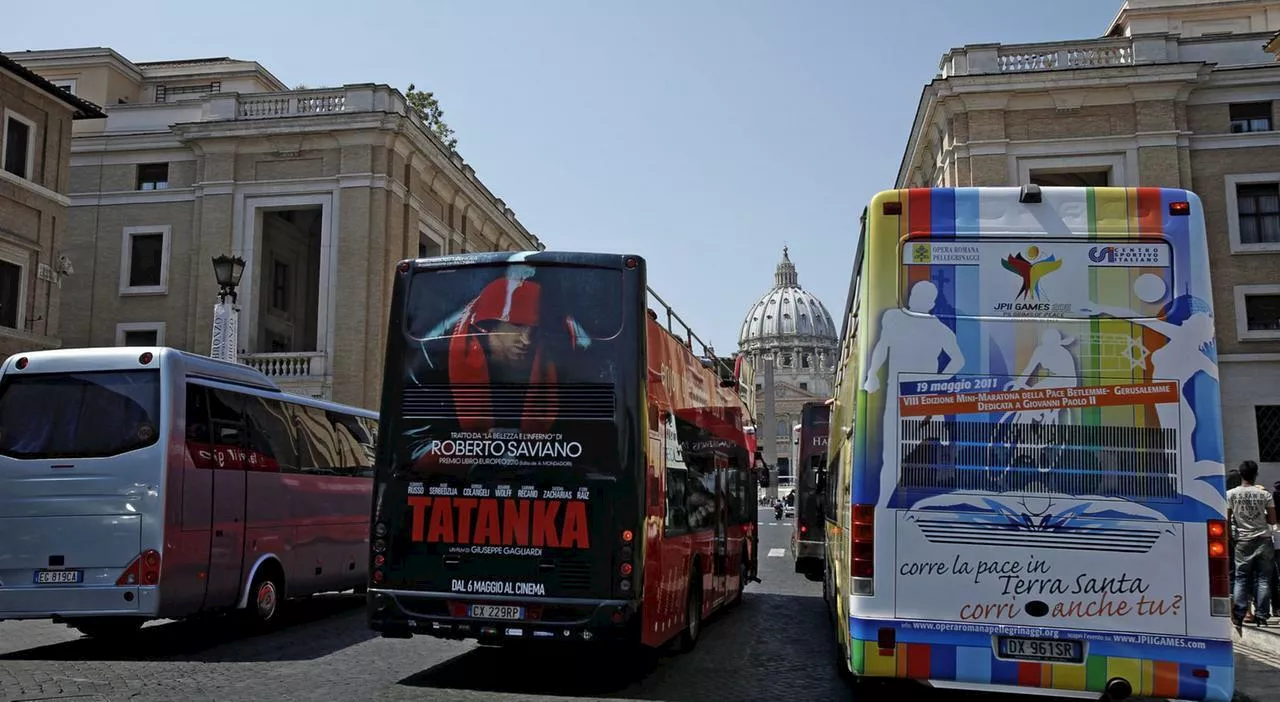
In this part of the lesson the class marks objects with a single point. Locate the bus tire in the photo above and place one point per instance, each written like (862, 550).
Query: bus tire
(693, 613)
(107, 628)
(266, 596)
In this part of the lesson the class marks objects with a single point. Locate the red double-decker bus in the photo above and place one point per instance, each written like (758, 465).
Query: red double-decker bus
(556, 462)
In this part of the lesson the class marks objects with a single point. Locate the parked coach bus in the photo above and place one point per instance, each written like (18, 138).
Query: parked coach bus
(809, 459)
(556, 463)
(149, 483)
(1026, 447)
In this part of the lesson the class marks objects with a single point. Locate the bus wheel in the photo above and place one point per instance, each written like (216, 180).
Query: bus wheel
(107, 628)
(693, 616)
(265, 597)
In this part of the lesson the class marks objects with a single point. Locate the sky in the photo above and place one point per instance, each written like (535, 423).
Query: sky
(702, 135)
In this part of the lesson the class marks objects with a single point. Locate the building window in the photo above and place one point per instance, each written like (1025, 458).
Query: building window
(153, 176)
(1253, 212)
(280, 286)
(140, 334)
(1250, 117)
(144, 261)
(1257, 312)
(1259, 213)
(1094, 178)
(13, 286)
(1267, 418)
(67, 84)
(804, 386)
(428, 245)
(1262, 312)
(19, 144)
(10, 294)
(806, 360)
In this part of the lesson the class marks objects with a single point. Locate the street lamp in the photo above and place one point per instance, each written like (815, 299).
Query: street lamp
(227, 270)
(226, 317)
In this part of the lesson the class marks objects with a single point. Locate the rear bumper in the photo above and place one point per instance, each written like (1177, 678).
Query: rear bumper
(404, 613)
(70, 602)
(805, 550)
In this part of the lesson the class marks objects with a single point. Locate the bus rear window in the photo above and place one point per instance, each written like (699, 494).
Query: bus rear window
(515, 324)
(1036, 277)
(79, 415)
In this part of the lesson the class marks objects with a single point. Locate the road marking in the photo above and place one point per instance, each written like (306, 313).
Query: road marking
(777, 552)
(773, 524)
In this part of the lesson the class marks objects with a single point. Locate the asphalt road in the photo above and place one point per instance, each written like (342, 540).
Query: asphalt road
(777, 646)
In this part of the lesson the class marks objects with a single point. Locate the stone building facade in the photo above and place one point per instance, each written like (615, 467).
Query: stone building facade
(320, 190)
(1177, 93)
(35, 155)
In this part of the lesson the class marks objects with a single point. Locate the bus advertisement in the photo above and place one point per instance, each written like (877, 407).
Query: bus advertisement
(150, 483)
(1026, 434)
(555, 464)
(809, 456)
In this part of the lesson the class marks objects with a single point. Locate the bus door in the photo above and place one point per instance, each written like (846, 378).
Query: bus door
(720, 547)
(226, 537)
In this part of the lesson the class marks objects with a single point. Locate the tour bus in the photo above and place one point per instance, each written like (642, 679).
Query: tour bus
(556, 462)
(809, 457)
(1026, 448)
(149, 483)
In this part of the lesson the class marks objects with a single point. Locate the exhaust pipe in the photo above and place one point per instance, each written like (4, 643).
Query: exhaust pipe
(1117, 689)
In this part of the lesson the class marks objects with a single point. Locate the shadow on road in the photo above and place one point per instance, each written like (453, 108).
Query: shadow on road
(769, 647)
(567, 670)
(307, 629)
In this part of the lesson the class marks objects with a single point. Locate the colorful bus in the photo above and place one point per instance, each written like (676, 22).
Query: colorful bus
(809, 459)
(557, 463)
(1026, 446)
(149, 483)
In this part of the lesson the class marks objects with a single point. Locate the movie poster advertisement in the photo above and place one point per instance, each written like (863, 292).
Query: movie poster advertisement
(508, 415)
(511, 371)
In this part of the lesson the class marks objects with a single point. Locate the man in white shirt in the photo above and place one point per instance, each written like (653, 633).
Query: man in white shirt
(1251, 513)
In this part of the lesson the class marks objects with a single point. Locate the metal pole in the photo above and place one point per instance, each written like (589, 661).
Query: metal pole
(226, 332)
(768, 435)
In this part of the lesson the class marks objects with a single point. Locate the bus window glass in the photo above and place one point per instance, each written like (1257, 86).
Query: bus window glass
(677, 516)
(513, 324)
(317, 445)
(269, 434)
(78, 415)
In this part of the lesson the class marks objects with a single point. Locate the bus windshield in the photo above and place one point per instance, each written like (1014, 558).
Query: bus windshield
(78, 415)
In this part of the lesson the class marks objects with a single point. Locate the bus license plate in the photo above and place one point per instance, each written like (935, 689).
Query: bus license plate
(59, 577)
(1041, 650)
(497, 612)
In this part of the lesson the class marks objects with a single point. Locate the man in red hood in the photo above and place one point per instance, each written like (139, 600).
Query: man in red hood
(497, 347)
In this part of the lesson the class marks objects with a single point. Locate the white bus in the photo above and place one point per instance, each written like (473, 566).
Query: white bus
(150, 483)
(1027, 476)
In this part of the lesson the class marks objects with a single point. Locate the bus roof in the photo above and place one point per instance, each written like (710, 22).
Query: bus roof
(193, 365)
(572, 258)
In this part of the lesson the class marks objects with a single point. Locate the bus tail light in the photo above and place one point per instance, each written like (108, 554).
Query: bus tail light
(892, 208)
(1180, 208)
(1219, 568)
(625, 554)
(143, 570)
(862, 549)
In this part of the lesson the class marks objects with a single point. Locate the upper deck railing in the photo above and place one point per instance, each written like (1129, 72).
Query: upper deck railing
(722, 366)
